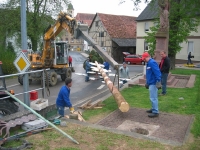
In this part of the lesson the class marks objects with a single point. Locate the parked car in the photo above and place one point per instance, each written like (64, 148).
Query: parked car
(125, 53)
(134, 59)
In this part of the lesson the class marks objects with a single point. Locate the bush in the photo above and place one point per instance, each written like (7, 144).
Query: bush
(94, 56)
(7, 57)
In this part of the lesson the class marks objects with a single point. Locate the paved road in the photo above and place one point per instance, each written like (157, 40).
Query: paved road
(81, 91)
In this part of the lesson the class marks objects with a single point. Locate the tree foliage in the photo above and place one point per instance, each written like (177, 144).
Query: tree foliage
(183, 19)
(7, 56)
(135, 3)
(94, 56)
(39, 17)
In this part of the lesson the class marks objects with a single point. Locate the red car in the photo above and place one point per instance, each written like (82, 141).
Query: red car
(125, 53)
(134, 59)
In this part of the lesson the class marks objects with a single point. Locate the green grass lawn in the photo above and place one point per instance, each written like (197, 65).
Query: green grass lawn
(138, 96)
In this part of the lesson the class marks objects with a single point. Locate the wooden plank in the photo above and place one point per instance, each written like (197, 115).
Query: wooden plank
(73, 116)
(85, 104)
(79, 114)
(97, 107)
(95, 103)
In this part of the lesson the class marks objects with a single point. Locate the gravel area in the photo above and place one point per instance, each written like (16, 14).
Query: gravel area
(172, 127)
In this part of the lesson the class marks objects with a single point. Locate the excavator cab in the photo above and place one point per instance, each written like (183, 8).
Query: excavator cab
(61, 53)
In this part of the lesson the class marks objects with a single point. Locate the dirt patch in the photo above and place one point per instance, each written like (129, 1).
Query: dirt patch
(172, 127)
(95, 119)
(138, 127)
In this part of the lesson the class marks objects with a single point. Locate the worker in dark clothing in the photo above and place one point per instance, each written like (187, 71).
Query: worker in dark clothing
(106, 66)
(189, 58)
(87, 68)
(63, 99)
(164, 69)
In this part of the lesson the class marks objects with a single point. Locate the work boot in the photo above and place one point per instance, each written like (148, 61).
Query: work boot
(162, 94)
(149, 111)
(152, 115)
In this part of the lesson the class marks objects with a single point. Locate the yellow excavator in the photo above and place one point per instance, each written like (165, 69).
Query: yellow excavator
(54, 54)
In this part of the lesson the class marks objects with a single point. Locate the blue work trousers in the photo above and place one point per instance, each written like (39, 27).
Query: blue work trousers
(153, 94)
(61, 110)
(164, 82)
(87, 76)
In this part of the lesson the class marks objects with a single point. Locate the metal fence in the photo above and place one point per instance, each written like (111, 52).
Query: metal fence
(2, 77)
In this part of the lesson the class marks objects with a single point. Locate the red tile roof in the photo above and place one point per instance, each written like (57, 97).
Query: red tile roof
(85, 18)
(119, 26)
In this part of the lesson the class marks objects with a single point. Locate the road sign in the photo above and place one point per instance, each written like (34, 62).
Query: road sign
(22, 63)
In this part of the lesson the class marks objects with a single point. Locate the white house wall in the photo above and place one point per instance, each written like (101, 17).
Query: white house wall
(141, 28)
(140, 36)
(194, 37)
(196, 33)
(140, 46)
(184, 51)
(94, 33)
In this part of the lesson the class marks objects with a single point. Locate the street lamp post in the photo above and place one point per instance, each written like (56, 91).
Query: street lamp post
(24, 49)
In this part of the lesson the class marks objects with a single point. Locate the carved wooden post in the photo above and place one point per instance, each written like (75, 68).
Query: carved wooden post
(122, 104)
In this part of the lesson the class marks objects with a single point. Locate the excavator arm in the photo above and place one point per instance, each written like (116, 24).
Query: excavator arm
(82, 33)
(65, 22)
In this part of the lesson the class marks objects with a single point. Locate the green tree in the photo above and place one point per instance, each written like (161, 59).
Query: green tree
(9, 25)
(39, 16)
(8, 66)
(94, 56)
(183, 19)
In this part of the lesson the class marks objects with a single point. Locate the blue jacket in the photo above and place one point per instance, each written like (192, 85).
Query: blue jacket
(87, 65)
(106, 65)
(63, 97)
(153, 73)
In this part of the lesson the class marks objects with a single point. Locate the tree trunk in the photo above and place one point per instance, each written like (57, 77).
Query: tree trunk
(34, 44)
(122, 104)
(3, 42)
(173, 30)
(172, 61)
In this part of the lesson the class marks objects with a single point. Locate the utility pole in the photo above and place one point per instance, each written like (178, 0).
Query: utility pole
(24, 50)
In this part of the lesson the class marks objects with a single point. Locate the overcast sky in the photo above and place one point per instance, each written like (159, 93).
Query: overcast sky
(106, 6)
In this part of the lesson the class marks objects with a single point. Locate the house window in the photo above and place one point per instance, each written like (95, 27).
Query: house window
(101, 34)
(146, 27)
(146, 46)
(102, 43)
(190, 46)
(97, 23)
